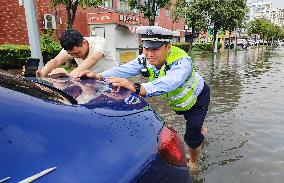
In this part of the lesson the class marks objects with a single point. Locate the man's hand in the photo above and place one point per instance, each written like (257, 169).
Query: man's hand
(39, 73)
(58, 72)
(89, 74)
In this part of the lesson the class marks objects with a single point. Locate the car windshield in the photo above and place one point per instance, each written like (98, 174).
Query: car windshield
(37, 90)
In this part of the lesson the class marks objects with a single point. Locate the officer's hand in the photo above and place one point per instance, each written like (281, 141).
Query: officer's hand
(121, 82)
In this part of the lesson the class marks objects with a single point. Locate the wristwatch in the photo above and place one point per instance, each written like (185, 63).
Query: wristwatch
(137, 87)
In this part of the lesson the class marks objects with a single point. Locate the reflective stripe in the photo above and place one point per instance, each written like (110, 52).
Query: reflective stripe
(188, 101)
(184, 92)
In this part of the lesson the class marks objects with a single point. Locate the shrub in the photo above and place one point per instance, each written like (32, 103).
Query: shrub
(49, 47)
(184, 46)
(14, 56)
(206, 46)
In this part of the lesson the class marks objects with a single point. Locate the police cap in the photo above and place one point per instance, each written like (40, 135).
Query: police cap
(154, 36)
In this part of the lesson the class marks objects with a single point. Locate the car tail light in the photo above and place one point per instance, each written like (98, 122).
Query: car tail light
(171, 148)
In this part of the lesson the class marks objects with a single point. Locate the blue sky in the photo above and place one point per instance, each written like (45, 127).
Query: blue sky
(275, 3)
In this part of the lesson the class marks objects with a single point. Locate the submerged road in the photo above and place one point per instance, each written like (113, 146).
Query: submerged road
(245, 119)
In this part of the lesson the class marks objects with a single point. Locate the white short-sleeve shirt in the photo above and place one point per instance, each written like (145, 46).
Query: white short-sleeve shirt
(98, 44)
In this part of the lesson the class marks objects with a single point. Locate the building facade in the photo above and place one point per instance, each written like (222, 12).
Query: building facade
(113, 20)
(13, 28)
(261, 9)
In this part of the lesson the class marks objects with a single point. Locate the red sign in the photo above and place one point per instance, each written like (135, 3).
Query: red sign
(112, 17)
(100, 18)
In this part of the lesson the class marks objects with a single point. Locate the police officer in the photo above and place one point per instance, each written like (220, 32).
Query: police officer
(171, 75)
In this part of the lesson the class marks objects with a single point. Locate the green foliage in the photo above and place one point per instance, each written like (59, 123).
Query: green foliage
(196, 47)
(206, 46)
(149, 8)
(258, 26)
(14, 56)
(72, 5)
(265, 29)
(49, 47)
(193, 13)
(225, 14)
(182, 45)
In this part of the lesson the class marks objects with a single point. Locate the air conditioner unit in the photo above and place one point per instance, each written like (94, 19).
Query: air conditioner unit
(49, 21)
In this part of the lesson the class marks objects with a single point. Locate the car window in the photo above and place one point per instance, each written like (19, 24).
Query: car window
(37, 90)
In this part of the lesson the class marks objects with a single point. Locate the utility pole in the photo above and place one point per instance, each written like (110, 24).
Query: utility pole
(235, 45)
(216, 44)
(32, 30)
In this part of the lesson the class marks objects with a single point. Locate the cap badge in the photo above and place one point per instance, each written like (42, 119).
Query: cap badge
(150, 32)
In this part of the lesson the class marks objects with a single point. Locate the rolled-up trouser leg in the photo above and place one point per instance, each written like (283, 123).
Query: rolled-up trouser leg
(195, 117)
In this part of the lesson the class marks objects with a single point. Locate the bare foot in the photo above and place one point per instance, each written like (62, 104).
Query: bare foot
(193, 167)
(204, 131)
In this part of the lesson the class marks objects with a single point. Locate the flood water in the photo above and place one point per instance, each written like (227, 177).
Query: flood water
(245, 143)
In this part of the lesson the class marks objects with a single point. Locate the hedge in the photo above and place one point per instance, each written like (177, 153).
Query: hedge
(196, 47)
(14, 56)
(184, 46)
(206, 46)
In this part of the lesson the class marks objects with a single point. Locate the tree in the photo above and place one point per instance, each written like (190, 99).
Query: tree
(258, 26)
(72, 5)
(149, 8)
(193, 14)
(224, 14)
(234, 17)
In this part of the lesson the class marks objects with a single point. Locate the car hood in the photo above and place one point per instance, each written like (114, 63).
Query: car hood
(99, 95)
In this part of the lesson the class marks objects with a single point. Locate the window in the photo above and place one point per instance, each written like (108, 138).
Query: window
(49, 21)
(168, 13)
(124, 5)
(107, 3)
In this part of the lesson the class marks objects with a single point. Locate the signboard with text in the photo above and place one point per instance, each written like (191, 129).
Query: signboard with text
(112, 17)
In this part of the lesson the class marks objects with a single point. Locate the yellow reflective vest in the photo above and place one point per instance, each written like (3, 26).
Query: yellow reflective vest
(183, 97)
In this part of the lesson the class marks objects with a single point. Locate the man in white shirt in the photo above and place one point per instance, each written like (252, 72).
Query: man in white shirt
(90, 53)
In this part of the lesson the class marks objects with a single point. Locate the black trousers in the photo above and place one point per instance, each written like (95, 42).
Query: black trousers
(195, 117)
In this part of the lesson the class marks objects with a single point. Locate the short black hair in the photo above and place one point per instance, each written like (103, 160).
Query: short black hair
(70, 38)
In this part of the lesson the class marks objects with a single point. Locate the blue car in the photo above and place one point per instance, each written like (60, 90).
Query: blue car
(63, 130)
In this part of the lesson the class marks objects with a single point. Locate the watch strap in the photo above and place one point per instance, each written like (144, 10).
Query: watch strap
(137, 87)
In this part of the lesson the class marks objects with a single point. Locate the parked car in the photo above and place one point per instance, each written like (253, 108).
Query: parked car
(243, 43)
(62, 130)
(280, 43)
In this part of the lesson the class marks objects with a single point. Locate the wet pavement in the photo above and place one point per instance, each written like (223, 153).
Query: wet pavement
(245, 119)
